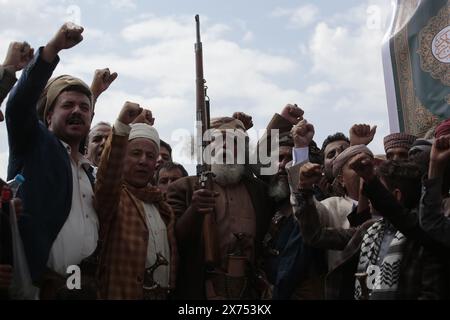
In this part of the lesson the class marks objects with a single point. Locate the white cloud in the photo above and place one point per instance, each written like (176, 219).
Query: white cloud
(300, 17)
(347, 67)
(123, 4)
(248, 36)
(340, 66)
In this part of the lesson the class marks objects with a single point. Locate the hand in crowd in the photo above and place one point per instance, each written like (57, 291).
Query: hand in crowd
(303, 133)
(245, 118)
(5, 276)
(101, 82)
(310, 174)
(145, 117)
(440, 156)
(130, 111)
(68, 36)
(362, 134)
(292, 113)
(18, 56)
(363, 165)
(203, 201)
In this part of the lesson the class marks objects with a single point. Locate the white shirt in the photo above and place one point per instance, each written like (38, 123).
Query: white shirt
(157, 242)
(78, 237)
(300, 155)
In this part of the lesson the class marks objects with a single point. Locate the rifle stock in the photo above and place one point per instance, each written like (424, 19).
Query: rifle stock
(203, 168)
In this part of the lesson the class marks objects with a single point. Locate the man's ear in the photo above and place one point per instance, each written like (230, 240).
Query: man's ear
(398, 195)
(340, 179)
(48, 118)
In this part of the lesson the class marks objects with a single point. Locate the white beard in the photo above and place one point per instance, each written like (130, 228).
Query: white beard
(228, 174)
(279, 189)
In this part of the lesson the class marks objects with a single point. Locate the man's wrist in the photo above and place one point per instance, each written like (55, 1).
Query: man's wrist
(50, 52)
(436, 169)
(10, 69)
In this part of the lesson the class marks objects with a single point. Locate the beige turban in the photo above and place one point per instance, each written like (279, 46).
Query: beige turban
(54, 88)
(348, 154)
(226, 123)
(143, 130)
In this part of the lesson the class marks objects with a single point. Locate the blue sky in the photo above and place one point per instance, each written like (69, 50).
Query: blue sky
(259, 55)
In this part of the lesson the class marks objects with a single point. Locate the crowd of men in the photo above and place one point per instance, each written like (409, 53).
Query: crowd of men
(335, 222)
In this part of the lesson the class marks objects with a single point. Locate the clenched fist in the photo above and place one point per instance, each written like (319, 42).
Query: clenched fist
(292, 113)
(130, 111)
(303, 133)
(68, 36)
(18, 56)
(203, 201)
(310, 174)
(245, 118)
(145, 117)
(102, 80)
(363, 165)
(362, 134)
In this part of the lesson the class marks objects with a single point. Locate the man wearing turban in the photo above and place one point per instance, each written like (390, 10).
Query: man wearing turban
(59, 227)
(241, 212)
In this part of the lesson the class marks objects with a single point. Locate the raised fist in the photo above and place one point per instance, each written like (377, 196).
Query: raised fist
(363, 165)
(102, 80)
(303, 133)
(18, 56)
(68, 36)
(145, 117)
(361, 134)
(245, 118)
(310, 174)
(292, 113)
(130, 111)
(440, 151)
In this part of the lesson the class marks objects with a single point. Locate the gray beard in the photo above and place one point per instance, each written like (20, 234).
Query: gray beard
(279, 189)
(228, 174)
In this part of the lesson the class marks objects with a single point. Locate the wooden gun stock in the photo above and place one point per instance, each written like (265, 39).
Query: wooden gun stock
(203, 168)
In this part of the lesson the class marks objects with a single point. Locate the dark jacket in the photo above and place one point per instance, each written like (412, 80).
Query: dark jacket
(432, 219)
(39, 155)
(191, 276)
(423, 272)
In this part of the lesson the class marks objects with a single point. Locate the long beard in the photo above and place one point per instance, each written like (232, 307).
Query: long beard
(279, 189)
(228, 174)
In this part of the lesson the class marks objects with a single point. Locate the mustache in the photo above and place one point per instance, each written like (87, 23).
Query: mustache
(75, 119)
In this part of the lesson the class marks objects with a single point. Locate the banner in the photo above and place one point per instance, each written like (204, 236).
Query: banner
(416, 61)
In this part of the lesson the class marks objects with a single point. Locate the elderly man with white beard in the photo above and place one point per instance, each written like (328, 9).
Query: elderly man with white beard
(241, 209)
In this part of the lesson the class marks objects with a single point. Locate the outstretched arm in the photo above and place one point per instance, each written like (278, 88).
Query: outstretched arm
(21, 116)
(109, 175)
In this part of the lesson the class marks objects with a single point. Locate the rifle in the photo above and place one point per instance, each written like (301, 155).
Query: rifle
(204, 167)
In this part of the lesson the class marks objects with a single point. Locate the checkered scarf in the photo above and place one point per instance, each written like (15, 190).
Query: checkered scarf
(382, 284)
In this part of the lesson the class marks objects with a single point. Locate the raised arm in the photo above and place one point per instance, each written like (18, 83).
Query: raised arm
(406, 221)
(103, 78)
(18, 56)
(432, 219)
(109, 176)
(21, 116)
(312, 229)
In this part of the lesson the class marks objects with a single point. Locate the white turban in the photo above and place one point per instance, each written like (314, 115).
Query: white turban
(143, 130)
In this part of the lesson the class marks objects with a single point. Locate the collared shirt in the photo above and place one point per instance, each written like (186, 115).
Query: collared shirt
(157, 243)
(78, 237)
